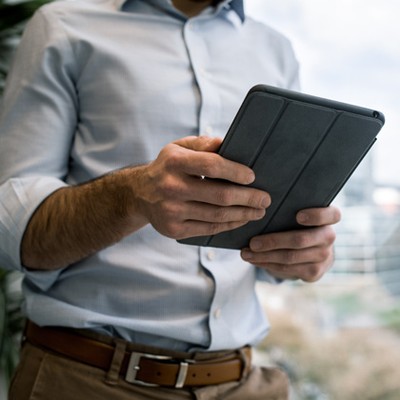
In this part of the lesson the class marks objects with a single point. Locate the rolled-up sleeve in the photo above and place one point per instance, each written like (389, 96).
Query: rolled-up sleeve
(37, 124)
(18, 200)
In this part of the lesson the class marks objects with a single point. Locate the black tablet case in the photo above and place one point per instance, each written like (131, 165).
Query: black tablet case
(302, 149)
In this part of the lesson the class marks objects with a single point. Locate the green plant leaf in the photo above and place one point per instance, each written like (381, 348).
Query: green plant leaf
(15, 14)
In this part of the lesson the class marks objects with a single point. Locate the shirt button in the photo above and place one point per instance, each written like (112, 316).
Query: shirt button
(211, 255)
(217, 313)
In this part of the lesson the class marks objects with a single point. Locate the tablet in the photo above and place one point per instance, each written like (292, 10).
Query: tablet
(302, 149)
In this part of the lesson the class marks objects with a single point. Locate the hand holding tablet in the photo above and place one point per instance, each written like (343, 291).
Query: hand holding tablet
(302, 148)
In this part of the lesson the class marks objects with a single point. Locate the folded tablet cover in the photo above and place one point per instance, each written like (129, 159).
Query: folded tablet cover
(302, 149)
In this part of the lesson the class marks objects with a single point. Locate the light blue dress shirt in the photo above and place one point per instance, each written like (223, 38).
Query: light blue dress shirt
(98, 85)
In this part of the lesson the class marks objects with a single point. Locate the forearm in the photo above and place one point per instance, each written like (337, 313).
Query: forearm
(77, 221)
(167, 193)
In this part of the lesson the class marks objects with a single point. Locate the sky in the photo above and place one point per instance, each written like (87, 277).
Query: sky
(349, 50)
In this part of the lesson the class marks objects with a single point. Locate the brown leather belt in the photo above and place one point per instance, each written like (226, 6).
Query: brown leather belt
(143, 368)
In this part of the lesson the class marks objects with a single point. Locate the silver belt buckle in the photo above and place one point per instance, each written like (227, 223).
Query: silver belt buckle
(133, 369)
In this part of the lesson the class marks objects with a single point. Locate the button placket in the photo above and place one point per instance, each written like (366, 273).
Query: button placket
(210, 258)
(199, 58)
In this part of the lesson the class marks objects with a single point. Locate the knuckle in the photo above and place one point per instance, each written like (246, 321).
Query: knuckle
(330, 235)
(269, 242)
(170, 210)
(170, 187)
(209, 167)
(337, 215)
(215, 228)
(300, 240)
(224, 197)
(325, 254)
(173, 230)
(290, 257)
(313, 273)
(172, 225)
(221, 214)
(317, 269)
(175, 158)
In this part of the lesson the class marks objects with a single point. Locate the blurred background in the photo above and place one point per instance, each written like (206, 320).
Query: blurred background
(338, 338)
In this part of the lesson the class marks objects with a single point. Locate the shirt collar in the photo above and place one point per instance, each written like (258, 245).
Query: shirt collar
(235, 5)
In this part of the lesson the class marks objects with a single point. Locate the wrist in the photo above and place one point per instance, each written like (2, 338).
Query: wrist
(125, 188)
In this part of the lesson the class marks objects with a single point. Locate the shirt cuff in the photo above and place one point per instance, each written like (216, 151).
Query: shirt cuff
(19, 198)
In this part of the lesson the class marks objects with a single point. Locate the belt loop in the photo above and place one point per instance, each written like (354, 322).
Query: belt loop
(245, 354)
(116, 363)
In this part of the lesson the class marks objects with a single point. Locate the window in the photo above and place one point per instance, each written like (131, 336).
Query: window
(340, 337)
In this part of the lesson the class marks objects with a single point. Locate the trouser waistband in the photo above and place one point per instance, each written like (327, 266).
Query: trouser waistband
(144, 364)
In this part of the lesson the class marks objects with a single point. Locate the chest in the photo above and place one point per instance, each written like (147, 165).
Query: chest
(143, 81)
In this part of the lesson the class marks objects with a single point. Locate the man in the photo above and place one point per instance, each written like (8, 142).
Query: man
(112, 114)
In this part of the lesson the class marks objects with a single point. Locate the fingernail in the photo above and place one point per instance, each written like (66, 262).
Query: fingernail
(266, 201)
(251, 177)
(302, 218)
(247, 255)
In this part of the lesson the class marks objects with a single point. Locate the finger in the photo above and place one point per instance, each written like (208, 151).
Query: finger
(319, 216)
(307, 272)
(200, 143)
(199, 228)
(300, 239)
(212, 165)
(225, 194)
(210, 213)
(192, 161)
(307, 266)
(289, 257)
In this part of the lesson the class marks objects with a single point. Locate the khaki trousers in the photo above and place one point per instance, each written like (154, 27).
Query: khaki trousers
(43, 375)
